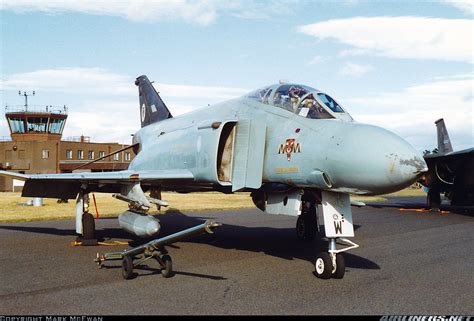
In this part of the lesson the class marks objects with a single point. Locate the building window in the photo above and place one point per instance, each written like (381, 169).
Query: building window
(90, 154)
(80, 154)
(45, 153)
(101, 154)
(69, 153)
(127, 156)
(116, 157)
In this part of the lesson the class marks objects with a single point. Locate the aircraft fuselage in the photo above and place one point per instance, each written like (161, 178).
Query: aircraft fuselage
(329, 154)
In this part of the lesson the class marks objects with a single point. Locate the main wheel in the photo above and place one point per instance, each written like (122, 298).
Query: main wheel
(127, 267)
(340, 267)
(306, 225)
(323, 266)
(167, 271)
(433, 198)
(88, 226)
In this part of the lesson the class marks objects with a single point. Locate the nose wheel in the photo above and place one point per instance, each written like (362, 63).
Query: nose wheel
(331, 264)
(325, 268)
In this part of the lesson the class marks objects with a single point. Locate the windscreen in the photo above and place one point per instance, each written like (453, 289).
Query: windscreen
(331, 103)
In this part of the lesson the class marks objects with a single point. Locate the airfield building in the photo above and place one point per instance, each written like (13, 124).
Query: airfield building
(36, 146)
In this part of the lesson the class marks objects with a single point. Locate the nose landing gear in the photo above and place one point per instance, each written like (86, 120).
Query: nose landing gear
(337, 217)
(307, 223)
(332, 264)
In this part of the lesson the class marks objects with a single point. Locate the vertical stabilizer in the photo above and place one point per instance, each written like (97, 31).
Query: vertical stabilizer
(152, 108)
(444, 143)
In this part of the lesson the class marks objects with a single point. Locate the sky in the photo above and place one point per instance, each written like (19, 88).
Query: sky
(400, 65)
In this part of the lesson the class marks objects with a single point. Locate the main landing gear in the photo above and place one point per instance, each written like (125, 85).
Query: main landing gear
(85, 224)
(433, 199)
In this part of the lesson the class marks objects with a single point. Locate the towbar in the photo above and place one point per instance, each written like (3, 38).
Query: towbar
(154, 249)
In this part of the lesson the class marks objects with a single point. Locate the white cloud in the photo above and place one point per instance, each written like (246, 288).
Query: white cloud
(466, 6)
(202, 12)
(355, 70)
(72, 81)
(95, 81)
(317, 60)
(353, 52)
(400, 37)
(411, 112)
(103, 104)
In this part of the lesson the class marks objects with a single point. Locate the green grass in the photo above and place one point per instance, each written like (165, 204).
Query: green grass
(11, 209)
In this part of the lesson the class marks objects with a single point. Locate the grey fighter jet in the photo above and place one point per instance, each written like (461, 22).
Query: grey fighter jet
(294, 147)
(451, 173)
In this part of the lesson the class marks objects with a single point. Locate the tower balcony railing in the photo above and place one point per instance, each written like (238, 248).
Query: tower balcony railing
(36, 109)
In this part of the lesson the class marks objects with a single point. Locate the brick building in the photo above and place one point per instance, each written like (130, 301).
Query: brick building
(35, 145)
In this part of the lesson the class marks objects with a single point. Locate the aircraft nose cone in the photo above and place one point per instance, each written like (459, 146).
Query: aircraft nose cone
(382, 162)
(399, 164)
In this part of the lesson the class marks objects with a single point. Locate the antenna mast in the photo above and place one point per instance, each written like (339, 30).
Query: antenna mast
(26, 98)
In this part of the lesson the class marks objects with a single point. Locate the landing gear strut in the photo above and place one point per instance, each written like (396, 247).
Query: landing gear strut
(338, 225)
(433, 198)
(85, 224)
(307, 223)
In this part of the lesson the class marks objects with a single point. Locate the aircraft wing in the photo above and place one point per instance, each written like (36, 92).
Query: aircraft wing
(465, 153)
(67, 185)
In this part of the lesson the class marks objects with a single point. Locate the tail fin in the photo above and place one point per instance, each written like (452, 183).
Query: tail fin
(444, 143)
(152, 108)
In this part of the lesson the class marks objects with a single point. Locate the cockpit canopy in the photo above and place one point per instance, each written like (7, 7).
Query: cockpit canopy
(302, 100)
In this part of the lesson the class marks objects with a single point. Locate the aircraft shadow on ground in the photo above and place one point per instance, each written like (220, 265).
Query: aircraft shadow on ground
(278, 242)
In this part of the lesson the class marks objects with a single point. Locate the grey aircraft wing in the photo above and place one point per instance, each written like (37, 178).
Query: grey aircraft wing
(67, 185)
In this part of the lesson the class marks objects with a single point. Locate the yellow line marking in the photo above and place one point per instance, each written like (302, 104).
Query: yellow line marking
(113, 243)
(422, 210)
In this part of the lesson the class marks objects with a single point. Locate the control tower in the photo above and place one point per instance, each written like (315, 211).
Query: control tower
(28, 123)
(36, 145)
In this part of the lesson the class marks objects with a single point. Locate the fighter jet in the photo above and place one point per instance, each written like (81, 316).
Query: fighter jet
(293, 146)
(451, 173)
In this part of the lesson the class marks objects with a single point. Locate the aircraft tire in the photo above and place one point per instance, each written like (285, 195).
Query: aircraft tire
(323, 266)
(167, 271)
(340, 267)
(88, 226)
(127, 267)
